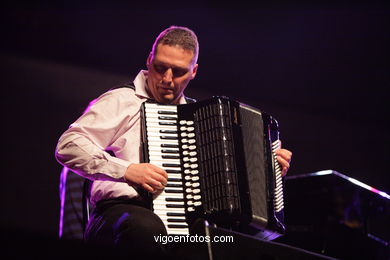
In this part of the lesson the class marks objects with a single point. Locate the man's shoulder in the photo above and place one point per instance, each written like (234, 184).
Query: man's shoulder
(124, 85)
(123, 92)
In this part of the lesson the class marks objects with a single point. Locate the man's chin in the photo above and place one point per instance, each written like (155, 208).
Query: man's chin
(167, 99)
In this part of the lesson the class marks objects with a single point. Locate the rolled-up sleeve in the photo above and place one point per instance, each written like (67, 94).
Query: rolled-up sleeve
(82, 148)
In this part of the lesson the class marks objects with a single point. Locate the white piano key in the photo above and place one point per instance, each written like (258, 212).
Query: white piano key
(159, 150)
(158, 144)
(160, 106)
(164, 202)
(151, 120)
(174, 175)
(165, 141)
(169, 195)
(174, 231)
(163, 207)
(165, 218)
(158, 134)
(157, 159)
(157, 125)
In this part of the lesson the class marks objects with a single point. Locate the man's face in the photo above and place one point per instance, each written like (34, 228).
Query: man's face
(169, 72)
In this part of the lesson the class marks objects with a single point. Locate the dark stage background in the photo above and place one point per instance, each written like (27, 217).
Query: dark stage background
(321, 69)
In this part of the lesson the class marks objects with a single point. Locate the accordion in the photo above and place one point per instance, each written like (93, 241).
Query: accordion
(221, 165)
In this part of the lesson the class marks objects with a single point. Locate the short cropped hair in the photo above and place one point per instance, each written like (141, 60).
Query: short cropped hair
(178, 36)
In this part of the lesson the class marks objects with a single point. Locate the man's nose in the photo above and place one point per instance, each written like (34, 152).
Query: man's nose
(168, 75)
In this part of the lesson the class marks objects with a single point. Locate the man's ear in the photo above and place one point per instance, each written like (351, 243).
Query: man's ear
(194, 71)
(149, 60)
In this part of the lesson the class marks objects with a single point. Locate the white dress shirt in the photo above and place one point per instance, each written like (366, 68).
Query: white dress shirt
(111, 122)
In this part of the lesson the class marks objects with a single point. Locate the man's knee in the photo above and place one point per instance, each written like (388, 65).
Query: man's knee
(141, 223)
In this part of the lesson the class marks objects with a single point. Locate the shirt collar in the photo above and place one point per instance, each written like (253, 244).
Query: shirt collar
(141, 86)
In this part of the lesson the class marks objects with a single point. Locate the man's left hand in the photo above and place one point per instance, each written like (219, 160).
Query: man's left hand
(284, 158)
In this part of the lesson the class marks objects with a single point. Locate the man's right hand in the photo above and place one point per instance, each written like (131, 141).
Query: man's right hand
(146, 175)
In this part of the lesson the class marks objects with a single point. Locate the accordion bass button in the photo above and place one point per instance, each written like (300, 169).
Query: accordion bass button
(194, 172)
(183, 122)
(197, 197)
(195, 185)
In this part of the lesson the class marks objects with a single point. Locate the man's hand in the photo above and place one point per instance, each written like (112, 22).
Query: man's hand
(284, 158)
(146, 175)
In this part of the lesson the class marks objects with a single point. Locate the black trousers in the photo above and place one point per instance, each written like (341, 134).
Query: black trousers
(128, 227)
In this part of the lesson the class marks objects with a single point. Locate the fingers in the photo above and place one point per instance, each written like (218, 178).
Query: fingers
(159, 170)
(148, 176)
(284, 158)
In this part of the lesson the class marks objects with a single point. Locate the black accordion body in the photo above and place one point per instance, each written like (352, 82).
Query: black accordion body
(219, 156)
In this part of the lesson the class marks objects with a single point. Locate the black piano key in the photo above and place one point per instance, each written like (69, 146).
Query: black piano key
(168, 137)
(167, 118)
(169, 151)
(169, 145)
(172, 185)
(173, 191)
(174, 199)
(176, 220)
(174, 180)
(175, 206)
(168, 131)
(176, 214)
(173, 171)
(166, 112)
(170, 157)
(177, 226)
(167, 123)
(170, 165)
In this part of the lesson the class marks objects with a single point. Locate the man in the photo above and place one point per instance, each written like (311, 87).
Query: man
(103, 146)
